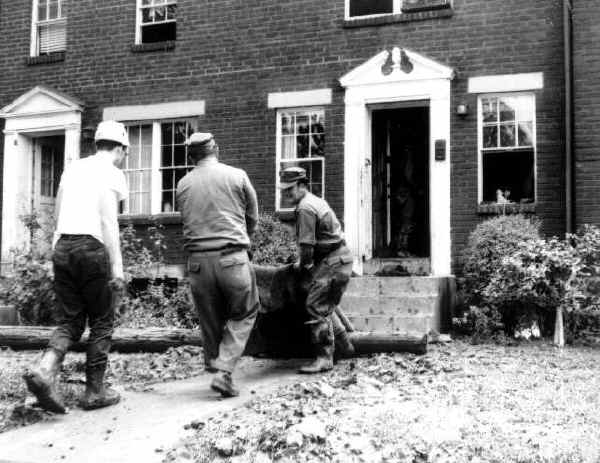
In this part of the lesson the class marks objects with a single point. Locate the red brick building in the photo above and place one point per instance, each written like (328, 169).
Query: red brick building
(459, 104)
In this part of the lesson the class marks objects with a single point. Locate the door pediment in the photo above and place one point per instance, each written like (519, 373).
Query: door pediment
(41, 100)
(397, 65)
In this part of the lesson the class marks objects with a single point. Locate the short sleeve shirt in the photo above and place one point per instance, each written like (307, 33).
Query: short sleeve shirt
(316, 223)
(84, 183)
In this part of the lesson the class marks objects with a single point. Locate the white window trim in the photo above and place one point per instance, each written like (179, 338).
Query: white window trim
(506, 83)
(34, 49)
(278, 158)
(138, 19)
(480, 149)
(155, 174)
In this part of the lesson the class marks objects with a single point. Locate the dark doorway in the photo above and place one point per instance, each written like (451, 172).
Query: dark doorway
(400, 167)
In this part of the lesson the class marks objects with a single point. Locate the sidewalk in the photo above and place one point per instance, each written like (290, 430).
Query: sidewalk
(141, 423)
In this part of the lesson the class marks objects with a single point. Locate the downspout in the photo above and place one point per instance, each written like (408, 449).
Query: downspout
(568, 70)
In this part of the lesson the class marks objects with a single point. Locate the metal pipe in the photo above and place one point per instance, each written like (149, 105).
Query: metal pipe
(568, 49)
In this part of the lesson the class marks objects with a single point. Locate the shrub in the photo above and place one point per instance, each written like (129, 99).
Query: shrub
(156, 307)
(532, 282)
(487, 245)
(273, 242)
(139, 260)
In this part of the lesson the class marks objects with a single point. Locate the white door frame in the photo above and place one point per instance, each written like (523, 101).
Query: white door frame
(367, 85)
(39, 112)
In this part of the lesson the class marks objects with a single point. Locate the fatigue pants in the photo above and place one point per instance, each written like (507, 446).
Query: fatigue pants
(81, 277)
(226, 298)
(329, 281)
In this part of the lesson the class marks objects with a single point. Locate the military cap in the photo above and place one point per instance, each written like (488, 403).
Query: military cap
(290, 176)
(199, 138)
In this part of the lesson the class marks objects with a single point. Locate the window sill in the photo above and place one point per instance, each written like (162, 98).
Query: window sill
(156, 46)
(408, 15)
(165, 218)
(44, 59)
(510, 208)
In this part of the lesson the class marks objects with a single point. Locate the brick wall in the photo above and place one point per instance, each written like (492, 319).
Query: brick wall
(586, 68)
(232, 53)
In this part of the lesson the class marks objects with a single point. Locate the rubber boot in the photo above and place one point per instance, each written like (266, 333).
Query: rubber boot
(323, 338)
(41, 381)
(96, 394)
(223, 384)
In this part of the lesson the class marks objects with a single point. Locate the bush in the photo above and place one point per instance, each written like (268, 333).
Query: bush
(30, 288)
(273, 242)
(157, 307)
(532, 282)
(139, 260)
(487, 245)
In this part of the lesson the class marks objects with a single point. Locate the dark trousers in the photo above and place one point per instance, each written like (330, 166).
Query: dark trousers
(226, 298)
(81, 282)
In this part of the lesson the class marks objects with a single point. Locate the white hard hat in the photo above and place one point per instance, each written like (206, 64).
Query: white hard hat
(112, 131)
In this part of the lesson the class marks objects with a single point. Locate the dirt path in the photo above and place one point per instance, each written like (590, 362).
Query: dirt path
(143, 424)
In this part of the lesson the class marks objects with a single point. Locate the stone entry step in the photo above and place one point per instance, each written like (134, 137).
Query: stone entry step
(397, 266)
(402, 305)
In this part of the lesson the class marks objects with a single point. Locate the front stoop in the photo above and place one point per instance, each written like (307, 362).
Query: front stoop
(400, 305)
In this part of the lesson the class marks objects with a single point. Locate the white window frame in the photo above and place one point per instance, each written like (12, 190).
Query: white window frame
(156, 168)
(481, 150)
(396, 9)
(35, 23)
(278, 153)
(138, 16)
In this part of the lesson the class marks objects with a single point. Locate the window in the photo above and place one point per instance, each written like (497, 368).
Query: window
(157, 161)
(301, 142)
(156, 20)
(49, 31)
(51, 170)
(507, 148)
(362, 8)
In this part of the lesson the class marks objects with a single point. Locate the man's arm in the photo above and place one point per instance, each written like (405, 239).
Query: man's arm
(251, 206)
(307, 224)
(110, 231)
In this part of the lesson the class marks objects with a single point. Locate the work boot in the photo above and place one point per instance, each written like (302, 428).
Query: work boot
(96, 394)
(223, 384)
(323, 339)
(343, 345)
(41, 381)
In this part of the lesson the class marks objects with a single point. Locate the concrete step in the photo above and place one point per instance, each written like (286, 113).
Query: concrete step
(391, 286)
(413, 265)
(408, 305)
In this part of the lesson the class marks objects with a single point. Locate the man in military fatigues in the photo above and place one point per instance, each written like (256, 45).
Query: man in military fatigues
(325, 260)
(220, 212)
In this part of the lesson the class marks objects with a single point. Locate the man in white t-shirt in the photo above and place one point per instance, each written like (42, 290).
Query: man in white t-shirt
(88, 268)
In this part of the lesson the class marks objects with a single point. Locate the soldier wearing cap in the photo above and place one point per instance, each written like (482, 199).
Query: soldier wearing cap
(88, 270)
(220, 212)
(326, 260)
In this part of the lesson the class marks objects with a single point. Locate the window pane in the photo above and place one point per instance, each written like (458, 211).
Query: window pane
(53, 9)
(490, 136)
(179, 155)
(167, 133)
(42, 11)
(286, 124)
(302, 124)
(179, 174)
(507, 109)
(147, 15)
(489, 108)
(167, 156)
(171, 11)
(317, 123)
(525, 108)
(511, 172)
(145, 203)
(525, 134)
(317, 145)
(168, 202)
(302, 146)
(146, 2)
(287, 147)
(167, 179)
(507, 135)
(180, 132)
(366, 7)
